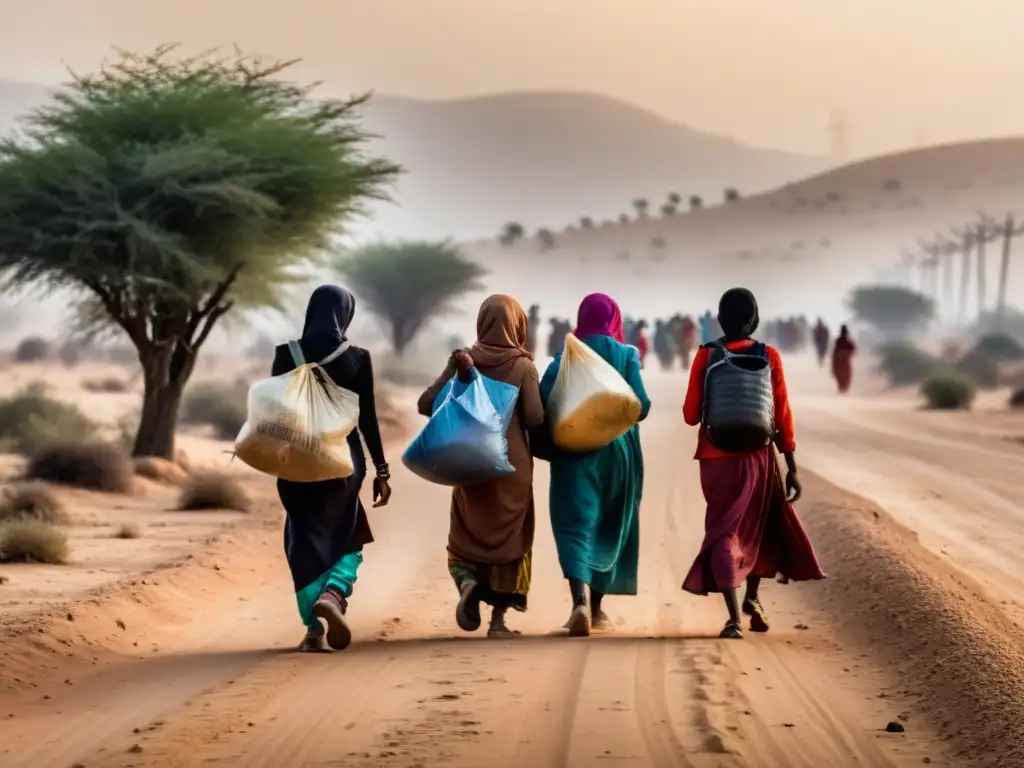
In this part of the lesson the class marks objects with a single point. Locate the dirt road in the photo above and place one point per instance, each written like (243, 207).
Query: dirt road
(200, 677)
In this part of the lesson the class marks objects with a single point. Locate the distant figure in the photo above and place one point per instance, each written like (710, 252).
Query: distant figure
(640, 340)
(706, 328)
(663, 344)
(532, 326)
(556, 338)
(822, 336)
(687, 340)
(842, 360)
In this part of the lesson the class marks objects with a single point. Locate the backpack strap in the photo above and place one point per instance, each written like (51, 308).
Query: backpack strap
(296, 352)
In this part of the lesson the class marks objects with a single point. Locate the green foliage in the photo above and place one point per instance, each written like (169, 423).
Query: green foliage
(891, 309)
(1011, 324)
(948, 391)
(407, 283)
(170, 189)
(903, 363)
(1000, 346)
(31, 419)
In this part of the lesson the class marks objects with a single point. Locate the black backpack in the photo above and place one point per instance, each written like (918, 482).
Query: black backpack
(739, 402)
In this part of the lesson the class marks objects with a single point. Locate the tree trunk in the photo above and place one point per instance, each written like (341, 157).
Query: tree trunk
(948, 288)
(965, 284)
(163, 385)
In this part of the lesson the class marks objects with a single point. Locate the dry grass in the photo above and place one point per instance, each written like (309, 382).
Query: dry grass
(128, 531)
(108, 385)
(31, 419)
(32, 500)
(210, 490)
(24, 540)
(92, 466)
(160, 470)
(221, 406)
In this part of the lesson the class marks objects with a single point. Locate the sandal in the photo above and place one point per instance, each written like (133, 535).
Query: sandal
(467, 612)
(732, 631)
(330, 609)
(758, 618)
(313, 642)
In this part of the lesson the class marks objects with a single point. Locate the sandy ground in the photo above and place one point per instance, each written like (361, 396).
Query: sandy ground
(191, 668)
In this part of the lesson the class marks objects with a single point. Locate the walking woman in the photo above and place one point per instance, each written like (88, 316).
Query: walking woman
(326, 526)
(490, 537)
(595, 497)
(751, 530)
(842, 360)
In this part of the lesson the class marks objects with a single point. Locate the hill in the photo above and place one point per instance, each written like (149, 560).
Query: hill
(801, 246)
(538, 158)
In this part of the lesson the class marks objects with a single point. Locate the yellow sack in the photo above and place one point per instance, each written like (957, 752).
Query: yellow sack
(591, 404)
(298, 424)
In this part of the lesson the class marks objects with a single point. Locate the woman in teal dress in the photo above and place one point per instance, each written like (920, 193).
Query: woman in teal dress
(595, 496)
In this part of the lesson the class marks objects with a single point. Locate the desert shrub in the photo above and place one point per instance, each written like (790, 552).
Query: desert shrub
(128, 531)
(903, 363)
(26, 540)
(1000, 347)
(33, 349)
(159, 470)
(110, 385)
(33, 500)
(69, 355)
(981, 368)
(892, 185)
(221, 406)
(210, 490)
(1017, 399)
(30, 419)
(948, 391)
(94, 466)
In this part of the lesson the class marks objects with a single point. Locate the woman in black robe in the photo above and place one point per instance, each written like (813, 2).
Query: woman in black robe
(326, 526)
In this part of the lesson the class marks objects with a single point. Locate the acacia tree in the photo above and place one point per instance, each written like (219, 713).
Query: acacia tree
(893, 310)
(696, 202)
(167, 191)
(408, 283)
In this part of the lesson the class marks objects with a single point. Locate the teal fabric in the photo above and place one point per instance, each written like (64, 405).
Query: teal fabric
(342, 576)
(595, 497)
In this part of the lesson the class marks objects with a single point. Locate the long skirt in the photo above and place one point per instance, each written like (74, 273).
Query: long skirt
(504, 585)
(842, 370)
(749, 528)
(324, 533)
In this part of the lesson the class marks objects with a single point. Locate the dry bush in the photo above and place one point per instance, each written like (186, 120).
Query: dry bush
(33, 349)
(128, 531)
(1017, 399)
(93, 466)
(210, 490)
(30, 419)
(221, 406)
(903, 363)
(32, 500)
(25, 540)
(159, 470)
(948, 392)
(108, 385)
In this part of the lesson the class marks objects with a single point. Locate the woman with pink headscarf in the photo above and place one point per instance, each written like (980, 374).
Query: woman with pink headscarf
(595, 497)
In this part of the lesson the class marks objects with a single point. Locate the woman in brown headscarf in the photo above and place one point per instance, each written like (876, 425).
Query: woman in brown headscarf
(491, 532)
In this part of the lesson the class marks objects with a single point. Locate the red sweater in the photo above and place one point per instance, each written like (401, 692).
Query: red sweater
(693, 406)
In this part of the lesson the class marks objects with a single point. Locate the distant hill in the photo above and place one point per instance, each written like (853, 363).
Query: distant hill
(537, 158)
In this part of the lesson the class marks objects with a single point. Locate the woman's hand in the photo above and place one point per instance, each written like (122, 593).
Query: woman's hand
(793, 488)
(381, 492)
(463, 362)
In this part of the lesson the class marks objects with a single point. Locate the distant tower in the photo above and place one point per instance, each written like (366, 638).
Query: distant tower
(838, 131)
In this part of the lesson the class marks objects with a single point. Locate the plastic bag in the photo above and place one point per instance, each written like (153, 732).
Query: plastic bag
(465, 442)
(591, 404)
(298, 424)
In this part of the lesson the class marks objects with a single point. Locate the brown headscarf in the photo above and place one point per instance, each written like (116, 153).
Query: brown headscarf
(500, 332)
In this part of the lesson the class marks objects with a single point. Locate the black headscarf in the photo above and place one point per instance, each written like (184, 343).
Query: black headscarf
(328, 316)
(737, 314)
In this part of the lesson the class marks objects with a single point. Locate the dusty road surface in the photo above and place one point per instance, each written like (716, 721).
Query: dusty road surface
(194, 670)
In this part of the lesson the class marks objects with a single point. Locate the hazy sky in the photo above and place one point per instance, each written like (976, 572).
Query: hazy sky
(767, 72)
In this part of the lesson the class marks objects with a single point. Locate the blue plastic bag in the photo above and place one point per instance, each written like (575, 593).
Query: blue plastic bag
(464, 441)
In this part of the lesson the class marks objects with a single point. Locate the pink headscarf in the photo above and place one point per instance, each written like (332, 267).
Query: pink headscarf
(599, 315)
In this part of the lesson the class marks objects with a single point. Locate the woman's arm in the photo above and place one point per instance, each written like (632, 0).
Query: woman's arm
(531, 406)
(362, 385)
(785, 438)
(693, 405)
(547, 382)
(636, 382)
(425, 405)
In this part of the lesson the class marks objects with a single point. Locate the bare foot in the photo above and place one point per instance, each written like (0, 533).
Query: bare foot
(579, 622)
(502, 632)
(313, 642)
(599, 622)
